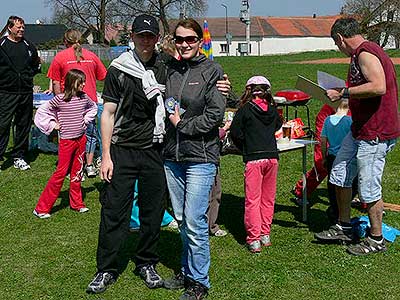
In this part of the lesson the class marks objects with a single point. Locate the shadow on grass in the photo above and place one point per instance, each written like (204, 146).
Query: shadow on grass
(30, 157)
(169, 250)
(64, 195)
(231, 215)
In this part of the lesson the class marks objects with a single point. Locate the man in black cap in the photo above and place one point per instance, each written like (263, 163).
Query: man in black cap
(132, 132)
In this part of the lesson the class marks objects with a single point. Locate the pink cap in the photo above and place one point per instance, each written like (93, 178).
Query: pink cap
(258, 80)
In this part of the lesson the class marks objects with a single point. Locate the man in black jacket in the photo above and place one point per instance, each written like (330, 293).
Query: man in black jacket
(19, 62)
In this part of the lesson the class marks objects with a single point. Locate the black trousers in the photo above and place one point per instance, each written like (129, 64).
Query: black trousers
(116, 199)
(19, 107)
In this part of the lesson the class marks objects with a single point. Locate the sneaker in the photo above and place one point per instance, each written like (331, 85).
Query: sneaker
(134, 229)
(265, 240)
(150, 276)
(83, 210)
(91, 171)
(173, 224)
(20, 163)
(41, 215)
(195, 291)
(220, 232)
(175, 283)
(336, 233)
(254, 247)
(97, 163)
(100, 283)
(367, 246)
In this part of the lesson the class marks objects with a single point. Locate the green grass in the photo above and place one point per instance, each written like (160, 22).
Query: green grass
(55, 258)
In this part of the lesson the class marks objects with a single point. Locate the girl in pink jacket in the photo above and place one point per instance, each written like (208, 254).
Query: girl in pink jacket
(69, 113)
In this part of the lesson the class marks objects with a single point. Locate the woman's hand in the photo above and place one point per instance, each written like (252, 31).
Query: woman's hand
(227, 125)
(57, 126)
(175, 117)
(224, 86)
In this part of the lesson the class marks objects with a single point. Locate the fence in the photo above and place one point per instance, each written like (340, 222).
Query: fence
(103, 53)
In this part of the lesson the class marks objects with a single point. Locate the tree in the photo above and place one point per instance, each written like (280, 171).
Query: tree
(124, 36)
(379, 19)
(84, 15)
(93, 15)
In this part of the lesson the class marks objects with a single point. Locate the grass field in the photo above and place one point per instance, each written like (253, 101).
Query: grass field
(55, 258)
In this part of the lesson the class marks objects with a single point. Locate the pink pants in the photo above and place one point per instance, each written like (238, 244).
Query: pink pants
(71, 157)
(260, 189)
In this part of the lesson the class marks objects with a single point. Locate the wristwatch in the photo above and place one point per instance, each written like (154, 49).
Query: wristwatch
(346, 93)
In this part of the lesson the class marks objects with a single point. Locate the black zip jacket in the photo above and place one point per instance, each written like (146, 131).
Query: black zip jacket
(253, 131)
(18, 82)
(193, 84)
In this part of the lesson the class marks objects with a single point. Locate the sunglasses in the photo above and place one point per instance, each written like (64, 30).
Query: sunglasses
(191, 39)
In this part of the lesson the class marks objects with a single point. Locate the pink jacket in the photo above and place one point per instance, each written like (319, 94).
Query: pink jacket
(46, 117)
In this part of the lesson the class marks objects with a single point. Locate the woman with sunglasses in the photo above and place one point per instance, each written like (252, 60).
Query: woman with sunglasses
(196, 109)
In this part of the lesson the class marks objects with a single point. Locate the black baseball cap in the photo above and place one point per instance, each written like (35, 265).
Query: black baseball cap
(145, 23)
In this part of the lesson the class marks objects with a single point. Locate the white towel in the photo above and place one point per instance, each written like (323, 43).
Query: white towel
(130, 63)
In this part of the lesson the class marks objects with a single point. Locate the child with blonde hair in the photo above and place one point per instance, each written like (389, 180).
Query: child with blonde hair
(70, 113)
(253, 132)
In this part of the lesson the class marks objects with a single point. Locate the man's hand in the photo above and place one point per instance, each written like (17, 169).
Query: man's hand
(224, 86)
(106, 169)
(57, 126)
(175, 117)
(334, 95)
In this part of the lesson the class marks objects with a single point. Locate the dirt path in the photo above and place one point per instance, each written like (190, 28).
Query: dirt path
(396, 61)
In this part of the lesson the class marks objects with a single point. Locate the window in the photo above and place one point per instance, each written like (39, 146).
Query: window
(224, 48)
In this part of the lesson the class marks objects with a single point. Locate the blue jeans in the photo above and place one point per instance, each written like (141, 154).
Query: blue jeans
(365, 158)
(100, 108)
(91, 135)
(189, 186)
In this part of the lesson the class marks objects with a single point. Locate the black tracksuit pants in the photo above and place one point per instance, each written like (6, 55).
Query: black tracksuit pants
(19, 106)
(116, 199)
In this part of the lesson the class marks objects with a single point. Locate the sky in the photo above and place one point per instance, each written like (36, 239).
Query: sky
(32, 10)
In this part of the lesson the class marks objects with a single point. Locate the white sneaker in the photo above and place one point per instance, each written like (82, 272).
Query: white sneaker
(83, 210)
(173, 224)
(20, 163)
(41, 215)
(91, 171)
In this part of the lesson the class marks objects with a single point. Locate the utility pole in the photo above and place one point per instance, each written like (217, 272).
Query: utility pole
(228, 36)
(245, 18)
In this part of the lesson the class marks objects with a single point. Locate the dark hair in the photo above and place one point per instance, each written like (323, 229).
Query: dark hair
(263, 91)
(190, 24)
(346, 27)
(73, 37)
(12, 19)
(73, 79)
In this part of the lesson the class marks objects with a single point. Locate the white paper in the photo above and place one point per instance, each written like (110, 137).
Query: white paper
(328, 81)
(316, 91)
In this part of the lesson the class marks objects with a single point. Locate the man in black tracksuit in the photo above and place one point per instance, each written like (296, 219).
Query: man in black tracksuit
(19, 62)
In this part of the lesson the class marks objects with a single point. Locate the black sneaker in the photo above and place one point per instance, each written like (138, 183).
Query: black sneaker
(367, 246)
(150, 276)
(100, 283)
(336, 233)
(175, 283)
(195, 291)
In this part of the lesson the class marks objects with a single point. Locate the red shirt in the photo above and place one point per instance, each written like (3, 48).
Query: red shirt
(90, 64)
(375, 117)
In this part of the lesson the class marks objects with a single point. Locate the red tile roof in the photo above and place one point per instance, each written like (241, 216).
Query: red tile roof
(272, 26)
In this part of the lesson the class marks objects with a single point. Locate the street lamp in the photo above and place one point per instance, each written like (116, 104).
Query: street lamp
(226, 29)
